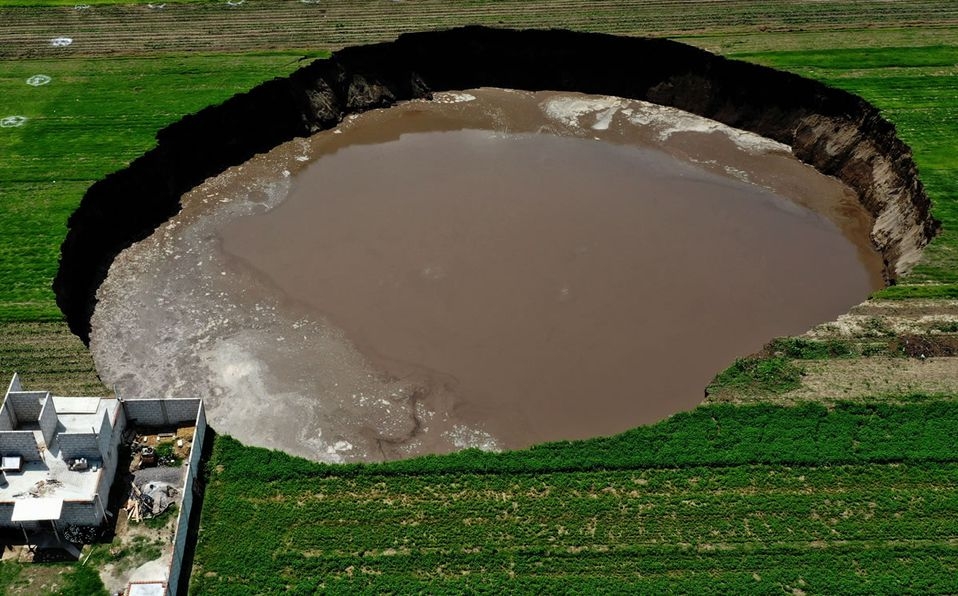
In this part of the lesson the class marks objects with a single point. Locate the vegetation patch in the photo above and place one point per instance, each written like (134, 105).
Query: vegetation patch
(166, 453)
(84, 580)
(801, 348)
(67, 579)
(857, 498)
(163, 519)
(775, 374)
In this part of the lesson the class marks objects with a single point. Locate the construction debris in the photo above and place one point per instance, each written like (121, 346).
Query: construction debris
(151, 492)
(41, 489)
(150, 500)
(161, 448)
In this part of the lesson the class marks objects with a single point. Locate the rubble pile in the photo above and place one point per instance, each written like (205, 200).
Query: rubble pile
(149, 500)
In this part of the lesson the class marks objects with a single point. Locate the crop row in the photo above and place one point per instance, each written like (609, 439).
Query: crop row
(47, 357)
(135, 28)
(792, 571)
(273, 523)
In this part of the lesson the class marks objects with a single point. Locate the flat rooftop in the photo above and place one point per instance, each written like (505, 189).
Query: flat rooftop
(80, 414)
(52, 476)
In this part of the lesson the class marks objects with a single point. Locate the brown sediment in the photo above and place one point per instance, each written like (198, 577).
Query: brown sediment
(494, 269)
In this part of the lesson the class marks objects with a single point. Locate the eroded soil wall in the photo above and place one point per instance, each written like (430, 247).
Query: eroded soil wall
(836, 132)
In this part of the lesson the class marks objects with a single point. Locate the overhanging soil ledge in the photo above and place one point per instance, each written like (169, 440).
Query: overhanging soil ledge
(836, 132)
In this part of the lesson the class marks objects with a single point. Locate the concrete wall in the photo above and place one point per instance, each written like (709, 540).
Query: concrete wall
(48, 420)
(8, 418)
(20, 442)
(99, 445)
(186, 507)
(8, 421)
(14, 384)
(161, 412)
(80, 513)
(119, 427)
(6, 514)
(73, 445)
(27, 404)
(107, 474)
(107, 439)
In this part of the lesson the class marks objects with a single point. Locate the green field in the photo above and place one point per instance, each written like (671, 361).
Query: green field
(803, 498)
(756, 499)
(93, 118)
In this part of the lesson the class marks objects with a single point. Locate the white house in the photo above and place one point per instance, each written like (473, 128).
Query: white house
(59, 454)
(58, 458)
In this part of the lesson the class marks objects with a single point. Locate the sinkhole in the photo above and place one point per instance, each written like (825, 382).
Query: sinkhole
(482, 238)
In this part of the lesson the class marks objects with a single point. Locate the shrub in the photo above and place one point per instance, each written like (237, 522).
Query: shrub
(759, 375)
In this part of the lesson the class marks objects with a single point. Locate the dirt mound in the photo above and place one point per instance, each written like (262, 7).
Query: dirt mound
(927, 346)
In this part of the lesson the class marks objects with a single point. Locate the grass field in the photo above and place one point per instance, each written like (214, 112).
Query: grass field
(741, 496)
(91, 119)
(756, 499)
(266, 24)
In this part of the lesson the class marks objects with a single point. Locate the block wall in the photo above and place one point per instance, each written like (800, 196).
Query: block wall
(20, 442)
(73, 445)
(109, 442)
(186, 507)
(161, 412)
(8, 421)
(105, 438)
(80, 513)
(48, 420)
(26, 405)
(14, 384)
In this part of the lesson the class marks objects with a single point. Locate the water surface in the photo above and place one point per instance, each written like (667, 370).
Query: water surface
(501, 268)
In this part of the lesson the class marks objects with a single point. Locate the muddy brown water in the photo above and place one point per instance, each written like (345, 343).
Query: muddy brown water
(493, 269)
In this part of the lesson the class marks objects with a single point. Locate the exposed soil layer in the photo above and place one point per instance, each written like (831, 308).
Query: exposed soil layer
(836, 132)
(892, 351)
(493, 268)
